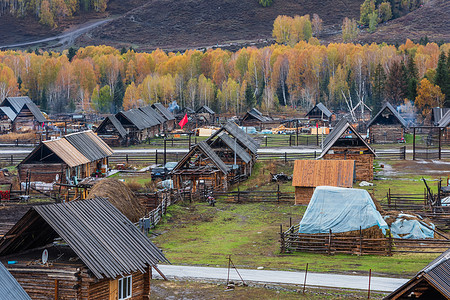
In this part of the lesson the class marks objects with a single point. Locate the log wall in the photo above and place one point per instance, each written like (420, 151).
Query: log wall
(303, 195)
(385, 133)
(106, 289)
(41, 172)
(363, 164)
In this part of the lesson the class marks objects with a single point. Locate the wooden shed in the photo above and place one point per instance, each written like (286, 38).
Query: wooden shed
(66, 160)
(432, 282)
(201, 168)
(169, 123)
(138, 125)
(345, 143)
(387, 126)
(27, 114)
(320, 113)
(205, 116)
(309, 174)
(112, 132)
(7, 116)
(80, 250)
(255, 118)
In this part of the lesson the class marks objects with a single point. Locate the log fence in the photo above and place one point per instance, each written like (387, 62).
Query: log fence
(256, 196)
(330, 243)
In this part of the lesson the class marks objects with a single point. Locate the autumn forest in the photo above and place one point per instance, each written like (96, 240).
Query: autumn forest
(104, 79)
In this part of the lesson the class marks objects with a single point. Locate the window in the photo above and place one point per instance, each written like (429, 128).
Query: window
(125, 287)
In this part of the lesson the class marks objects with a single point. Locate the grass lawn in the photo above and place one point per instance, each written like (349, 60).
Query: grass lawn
(197, 234)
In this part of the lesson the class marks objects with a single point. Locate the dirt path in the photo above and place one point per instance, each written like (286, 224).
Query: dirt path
(67, 38)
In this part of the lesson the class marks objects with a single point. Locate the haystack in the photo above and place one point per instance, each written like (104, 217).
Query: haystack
(120, 195)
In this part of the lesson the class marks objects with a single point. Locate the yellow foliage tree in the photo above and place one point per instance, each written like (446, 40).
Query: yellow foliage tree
(428, 96)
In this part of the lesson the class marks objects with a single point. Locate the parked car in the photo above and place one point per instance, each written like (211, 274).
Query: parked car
(170, 165)
(159, 172)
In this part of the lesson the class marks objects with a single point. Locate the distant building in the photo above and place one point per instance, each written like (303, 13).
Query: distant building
(26, 117)
(320, 113)
(387, 126)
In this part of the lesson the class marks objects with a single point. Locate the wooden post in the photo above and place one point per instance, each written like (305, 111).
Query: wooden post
(414, 143)
(56, 290)
(189, 140)
(389, 197)
(329, 243)
(297, 131)
(283, 249)
(440, 146)
(285, 157)
(278, 193)
(360, 241)
(370, 275)
(390, 242)
(165, 150)
(12, 159)
(156, 156)
(266, 141)
(126, 157)
(304, 282)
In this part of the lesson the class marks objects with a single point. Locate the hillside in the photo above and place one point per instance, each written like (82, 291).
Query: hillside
(171, 24)
(432, 20)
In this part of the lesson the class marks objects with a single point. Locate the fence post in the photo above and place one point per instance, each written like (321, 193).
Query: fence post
(389, 198)
(315, 154)
(282, 246)
(278, 193)
(156, 157)
(404, 152)
(239, 194)
(329, 243)
(12, 159)
(390, 242)
(126, 157)
(285, 157)
(360, 241)
(266, 140)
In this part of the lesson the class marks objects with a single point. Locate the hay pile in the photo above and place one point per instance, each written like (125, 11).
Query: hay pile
(120, 195)
(373, 232)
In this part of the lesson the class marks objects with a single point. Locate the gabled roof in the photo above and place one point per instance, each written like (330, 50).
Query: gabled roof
(341, 127)
(113, 120)
(232, 145)
(205, 109)
(436, 273)
(16, 103)
(256, 114)
(137, 118)
(163, 111)
(35, 111)
(208, 152)
(100, 235)
(155, 118)
(437, 113)
(89, 144)
(10, 289)
(394, 112)
(234, 130)
(8, 112)
(67, 152)
(314, 173)
(445, 121)
(322, 108)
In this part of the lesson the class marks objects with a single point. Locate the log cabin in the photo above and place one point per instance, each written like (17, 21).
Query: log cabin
(201, 168)
(27, 114)
(345, 143)
(387, 126)
(7, 116)
(309, 174)
(205, 116)
(138, 125)
(320, 114)
(83, 249)
(112, 132)
(66, 160)
(256, 119)
(169, 123)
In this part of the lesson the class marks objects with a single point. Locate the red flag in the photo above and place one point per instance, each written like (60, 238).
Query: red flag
(183, 121)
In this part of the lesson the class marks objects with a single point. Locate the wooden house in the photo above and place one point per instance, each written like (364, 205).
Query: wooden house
(7, 116)
(345, 143)
(170, 122)
(387, 126)
(309, 174)
(242, 138)
(10, 289)
(138, 125)
(66, 160)
(205, 116)
(320, 114)
(201, 168)
(256, 119)
(28, 116)
(112, 132)
(232, 154)
(83, 249)
(155, 117)
(432, 282)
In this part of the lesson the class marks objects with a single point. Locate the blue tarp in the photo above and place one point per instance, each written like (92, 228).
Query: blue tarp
(407, 228)
(341, 210)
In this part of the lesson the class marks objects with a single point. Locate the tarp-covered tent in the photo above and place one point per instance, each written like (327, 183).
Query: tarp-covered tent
(341, 210)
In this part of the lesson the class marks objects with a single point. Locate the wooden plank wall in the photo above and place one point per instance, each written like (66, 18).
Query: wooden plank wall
(303, 195)
(101, 289)
(44, 172)
(385, 133)
(363, 164)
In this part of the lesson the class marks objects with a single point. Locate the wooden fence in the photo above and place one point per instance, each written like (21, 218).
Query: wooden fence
(293, 241)
(411, 202)
(256, 196)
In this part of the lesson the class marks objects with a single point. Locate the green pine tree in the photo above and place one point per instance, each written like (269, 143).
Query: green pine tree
(441, 78)
(119, 93)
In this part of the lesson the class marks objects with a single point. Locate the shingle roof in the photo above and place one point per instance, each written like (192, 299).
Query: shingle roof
(437, 273)
(16, 103)
(89, 144)
(137, 118)
(163, 111)
(445, 121)
(10, 289)
(8, 112)
(257, 115)
(102, 237)
(314, 173)
(240, 134)
(209, 152)
(322, 108)
(232, 145)
(388, 106)
(337, 132)
(206, 109)
(156, 118)
(67, 152)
